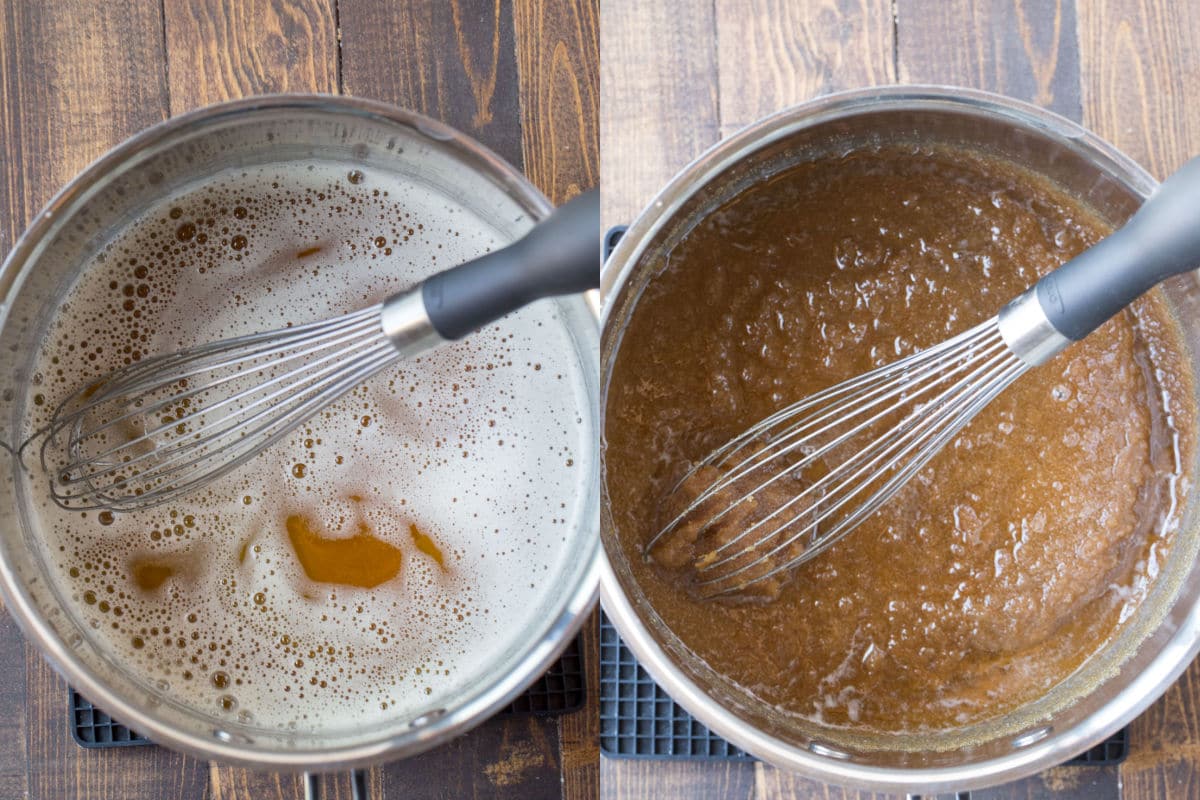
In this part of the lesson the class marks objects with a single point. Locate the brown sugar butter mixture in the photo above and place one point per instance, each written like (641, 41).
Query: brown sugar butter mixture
(1013, 555)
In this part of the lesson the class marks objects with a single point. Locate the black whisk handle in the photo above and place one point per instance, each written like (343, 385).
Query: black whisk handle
(1161, 240)
(561, 255)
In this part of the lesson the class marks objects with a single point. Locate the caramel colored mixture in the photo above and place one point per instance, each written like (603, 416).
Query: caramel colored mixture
(149, 574)
(1009, 559)
(362, 559)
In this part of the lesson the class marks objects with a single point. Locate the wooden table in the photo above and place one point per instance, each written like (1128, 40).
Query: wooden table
(77, 77)
(678, 75)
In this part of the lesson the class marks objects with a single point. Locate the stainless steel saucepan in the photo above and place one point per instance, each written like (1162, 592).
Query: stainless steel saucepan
(1107, 691)
(478, 187)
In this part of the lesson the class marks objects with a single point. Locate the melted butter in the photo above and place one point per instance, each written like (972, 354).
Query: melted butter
(427, 545)
(361, 560)
(243, 550)
(149, 574)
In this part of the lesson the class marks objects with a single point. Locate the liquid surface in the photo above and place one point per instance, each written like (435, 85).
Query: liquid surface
(1011, 557)
(388, 552)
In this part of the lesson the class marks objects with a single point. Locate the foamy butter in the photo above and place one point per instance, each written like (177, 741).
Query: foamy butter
(444, 487)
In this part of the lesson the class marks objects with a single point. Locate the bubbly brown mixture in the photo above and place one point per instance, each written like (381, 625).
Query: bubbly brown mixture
(1010, 558)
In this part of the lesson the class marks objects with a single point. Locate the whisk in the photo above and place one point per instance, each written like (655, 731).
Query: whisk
(852, 446)
(168, 425)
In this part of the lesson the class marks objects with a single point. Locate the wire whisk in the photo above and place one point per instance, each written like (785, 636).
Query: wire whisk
(785, 490)
(877, 430)
(159, 428)
(166, 426)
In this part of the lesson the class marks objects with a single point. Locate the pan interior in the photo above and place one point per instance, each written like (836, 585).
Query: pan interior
(1085, 175)
(482, 453)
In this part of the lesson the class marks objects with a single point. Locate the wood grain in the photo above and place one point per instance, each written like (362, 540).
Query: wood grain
(659, 73)
(227, 784)
(772, 54)
(57, 113)
(579, 732)
(59, 769)
(1140, 63)
(13, 723)
(558, 57)
(1026, 49)
(234, 48)
(1060, 783)
(454, 60)
(627, 779)
(517, 758)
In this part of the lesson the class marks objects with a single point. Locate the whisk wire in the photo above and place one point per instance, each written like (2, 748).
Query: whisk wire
(228, 454)
(865, 381)
(833, 418)
(122, 384)
(329, 363)
(874, 388)
(884, 493)
(863, 461)
(297, 370)
(922, 432)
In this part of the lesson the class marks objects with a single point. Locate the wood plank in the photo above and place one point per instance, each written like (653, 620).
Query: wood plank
(579, 732)
(59, 769)
(1026, 49)
(1140, 61)
(1061, 783)
(513, 758)
(74, 80)
(558, 59)
(627, 779)
(1141, 64)
(240, 784)
(658, 74)
(224, 49)
(455, 61)
(13, 723)
(1164, 759)
(776, 784)
(772, 54)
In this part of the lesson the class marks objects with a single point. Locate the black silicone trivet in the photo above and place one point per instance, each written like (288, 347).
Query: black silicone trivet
(561, 690)
(640, 720)
(91, 727)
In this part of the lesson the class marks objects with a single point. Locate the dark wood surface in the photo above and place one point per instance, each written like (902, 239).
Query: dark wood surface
(78, 77)
(677, 75)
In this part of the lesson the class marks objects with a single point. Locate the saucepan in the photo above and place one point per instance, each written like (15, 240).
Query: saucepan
(1109, 689)
(355, 134)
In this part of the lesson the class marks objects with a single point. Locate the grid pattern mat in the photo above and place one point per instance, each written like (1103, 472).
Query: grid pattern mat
(562, 689)
(91, 727)
(640, 720)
